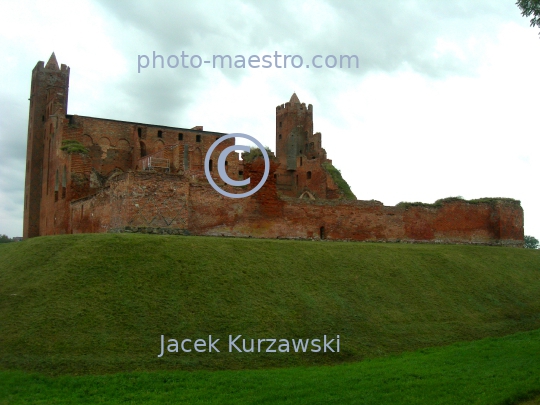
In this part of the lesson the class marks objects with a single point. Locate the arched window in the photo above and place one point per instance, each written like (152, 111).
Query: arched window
(308, 175)
(322, 233)
(139, 132)
(210, 164)
(160, 134)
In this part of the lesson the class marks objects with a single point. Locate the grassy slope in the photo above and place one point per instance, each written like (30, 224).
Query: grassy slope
(485, 372)
(99, 303)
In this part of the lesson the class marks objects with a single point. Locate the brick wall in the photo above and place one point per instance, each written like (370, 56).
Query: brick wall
(153, 202)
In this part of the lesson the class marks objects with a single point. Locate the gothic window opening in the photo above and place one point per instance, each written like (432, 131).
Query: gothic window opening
(308, 175)
(139, 132)
(160, 134)
(198, 138)
(279, 136)
(322, 234)
(210, 165)
(180, 136)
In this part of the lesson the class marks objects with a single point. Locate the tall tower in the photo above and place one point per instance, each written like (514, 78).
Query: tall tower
(294, 127)
(48, 93)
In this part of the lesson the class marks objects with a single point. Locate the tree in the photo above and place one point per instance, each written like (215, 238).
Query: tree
(531, 242)
(248, 157)
(530, 8)
(5, 239)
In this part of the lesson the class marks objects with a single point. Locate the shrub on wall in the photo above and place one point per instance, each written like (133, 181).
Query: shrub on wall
(340, 181)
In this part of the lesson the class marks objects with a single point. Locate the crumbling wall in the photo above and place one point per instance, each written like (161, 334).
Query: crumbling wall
(189, 204)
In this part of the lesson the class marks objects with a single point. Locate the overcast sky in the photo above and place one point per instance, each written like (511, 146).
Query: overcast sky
(445, 101)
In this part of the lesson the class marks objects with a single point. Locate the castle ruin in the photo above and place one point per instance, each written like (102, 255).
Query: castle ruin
(87, 174)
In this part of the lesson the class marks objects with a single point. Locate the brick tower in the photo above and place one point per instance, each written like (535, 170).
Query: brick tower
(294, 129)
(48, 94)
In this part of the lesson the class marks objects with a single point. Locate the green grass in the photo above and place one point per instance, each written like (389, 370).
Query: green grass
(439, 203)
(98, 303)
(490, 371)
(340, 181)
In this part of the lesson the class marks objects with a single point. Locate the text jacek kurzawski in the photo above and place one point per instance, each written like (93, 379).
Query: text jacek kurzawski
(236, 344)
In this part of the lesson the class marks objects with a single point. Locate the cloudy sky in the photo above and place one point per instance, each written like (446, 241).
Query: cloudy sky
(444, 101)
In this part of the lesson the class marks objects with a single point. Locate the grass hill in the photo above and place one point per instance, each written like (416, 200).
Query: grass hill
(97, 303)
(483, 372)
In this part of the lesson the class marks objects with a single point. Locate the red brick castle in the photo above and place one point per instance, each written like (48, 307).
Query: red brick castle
(86, 174)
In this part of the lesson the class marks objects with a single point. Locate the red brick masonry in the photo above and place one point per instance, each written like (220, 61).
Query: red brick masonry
(173, 204)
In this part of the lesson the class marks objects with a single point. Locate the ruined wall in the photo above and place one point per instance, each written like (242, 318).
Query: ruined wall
(114, 148)
(150, 202)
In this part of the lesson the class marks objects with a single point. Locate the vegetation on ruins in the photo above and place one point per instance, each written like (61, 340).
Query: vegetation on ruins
(254, 153)
(73, 146)
(439, 203)
(340, 181)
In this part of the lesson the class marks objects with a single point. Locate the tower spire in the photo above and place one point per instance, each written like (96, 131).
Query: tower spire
(52, 63)
(294, 99)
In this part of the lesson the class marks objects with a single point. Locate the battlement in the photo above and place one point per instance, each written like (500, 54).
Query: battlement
(284, 108)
